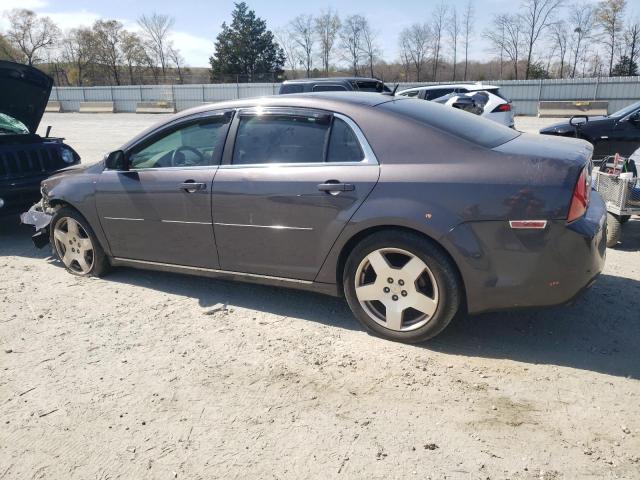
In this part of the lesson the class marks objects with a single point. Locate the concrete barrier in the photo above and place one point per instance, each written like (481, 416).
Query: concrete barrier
(569, 108)
(155, 107)
(53, 106)
(96, 107)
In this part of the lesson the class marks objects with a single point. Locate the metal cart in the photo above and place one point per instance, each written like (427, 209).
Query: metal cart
(622, 198)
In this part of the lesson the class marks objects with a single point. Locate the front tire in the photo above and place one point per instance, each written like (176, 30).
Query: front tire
(401, 286)
(75, 244)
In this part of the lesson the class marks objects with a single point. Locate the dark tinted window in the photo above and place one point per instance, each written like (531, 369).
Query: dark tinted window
(464, 125)
(281, 139)
(291, 88)
(194, 144)
(437, 93)
(369, 86)
(343, 144)
(329, 88)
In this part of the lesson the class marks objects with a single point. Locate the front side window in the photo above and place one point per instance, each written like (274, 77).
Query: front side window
(281, 139)
(291, 88)
(192, 145)
(329, 88)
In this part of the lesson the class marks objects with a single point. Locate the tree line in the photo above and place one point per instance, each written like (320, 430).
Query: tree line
(542, 39)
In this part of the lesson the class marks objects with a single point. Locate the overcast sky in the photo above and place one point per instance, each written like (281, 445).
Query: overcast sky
(198, 22)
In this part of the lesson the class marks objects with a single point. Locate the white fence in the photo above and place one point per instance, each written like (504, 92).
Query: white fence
(525, 94)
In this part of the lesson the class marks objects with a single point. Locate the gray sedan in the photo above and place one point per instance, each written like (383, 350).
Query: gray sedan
(413, 211)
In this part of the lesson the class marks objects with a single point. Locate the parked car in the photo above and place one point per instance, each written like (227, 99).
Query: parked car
(497, 107)
(411, 210)
(336, 84)
(615, 133)
(25, 157)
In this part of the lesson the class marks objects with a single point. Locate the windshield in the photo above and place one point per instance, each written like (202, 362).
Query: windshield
(626, 110)
(11, 126)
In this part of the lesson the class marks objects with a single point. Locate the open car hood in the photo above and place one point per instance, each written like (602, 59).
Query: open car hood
(24, 93)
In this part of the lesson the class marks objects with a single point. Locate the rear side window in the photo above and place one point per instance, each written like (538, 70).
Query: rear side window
(281, 139)
(291, 88)
(464, 125)
(343, 144)
(437, 93)
(411, 94)
(329, 88)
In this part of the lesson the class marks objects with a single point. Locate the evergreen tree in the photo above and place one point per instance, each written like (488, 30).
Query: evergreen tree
(245, 48)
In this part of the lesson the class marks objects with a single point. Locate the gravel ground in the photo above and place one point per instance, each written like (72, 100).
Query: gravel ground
(162, 376)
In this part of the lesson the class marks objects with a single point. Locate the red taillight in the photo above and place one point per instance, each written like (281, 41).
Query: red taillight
(503, 107)
(580, 197)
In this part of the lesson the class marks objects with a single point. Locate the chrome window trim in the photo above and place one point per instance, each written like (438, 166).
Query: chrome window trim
(369, 157)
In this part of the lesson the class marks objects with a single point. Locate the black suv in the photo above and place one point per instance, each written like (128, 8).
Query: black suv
(25, 157)
(336, 84)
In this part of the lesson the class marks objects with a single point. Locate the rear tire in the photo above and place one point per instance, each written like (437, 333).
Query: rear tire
(614, 230)
(402, 286)
(75, 244)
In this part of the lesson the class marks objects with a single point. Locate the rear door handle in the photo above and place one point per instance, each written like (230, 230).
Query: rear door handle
(190, 186)
(336, 187)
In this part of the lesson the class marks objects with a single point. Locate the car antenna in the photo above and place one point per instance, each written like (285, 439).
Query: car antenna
(48, 131)
(393, 92)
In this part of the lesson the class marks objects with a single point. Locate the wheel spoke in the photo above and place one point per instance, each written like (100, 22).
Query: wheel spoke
(85, 244)
(60, 236)
(67, 257)
(72, 226)
(379, 263)
(413, 268)
(394, 316)
(423, 304)
(367, 293)
(84, 266)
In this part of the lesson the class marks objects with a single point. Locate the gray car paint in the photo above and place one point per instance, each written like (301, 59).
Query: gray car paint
(458, 193)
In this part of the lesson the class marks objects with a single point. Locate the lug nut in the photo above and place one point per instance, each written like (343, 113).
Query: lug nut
(401, 282)
(390, 280)
(395, 298)
(403, 293)
(386, 289)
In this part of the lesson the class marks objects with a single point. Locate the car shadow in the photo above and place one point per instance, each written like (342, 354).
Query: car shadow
(600, 332)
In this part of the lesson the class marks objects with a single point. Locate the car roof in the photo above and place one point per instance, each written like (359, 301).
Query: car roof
(339, 102)
(330, 80)
(468, 86)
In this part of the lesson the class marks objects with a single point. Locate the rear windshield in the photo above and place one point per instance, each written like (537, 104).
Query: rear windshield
(291, 88)
(463, 125)
(370, 86)
(497, 93)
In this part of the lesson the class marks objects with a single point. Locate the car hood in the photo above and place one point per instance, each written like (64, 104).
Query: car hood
(24, 93)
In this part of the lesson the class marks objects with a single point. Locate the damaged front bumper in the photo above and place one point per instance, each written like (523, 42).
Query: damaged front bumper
(40, 217)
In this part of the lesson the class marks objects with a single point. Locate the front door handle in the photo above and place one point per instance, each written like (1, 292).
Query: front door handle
(190, 186)
(336, 187)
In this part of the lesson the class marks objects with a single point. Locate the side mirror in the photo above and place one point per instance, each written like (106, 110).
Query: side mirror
(635, 118)
(115, 161)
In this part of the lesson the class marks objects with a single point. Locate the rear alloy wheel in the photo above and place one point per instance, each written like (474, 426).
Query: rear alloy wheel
(75, 244)
(402, 286)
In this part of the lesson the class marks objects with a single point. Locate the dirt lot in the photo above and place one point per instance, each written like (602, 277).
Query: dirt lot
(153, 375)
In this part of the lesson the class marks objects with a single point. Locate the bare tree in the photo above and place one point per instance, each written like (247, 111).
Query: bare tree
(175, 57)
(581, 18)
(133, 53)
(632, 43)
(30, 34)
(467, 25)
(505, 35)
(437, 28)
(351, 41)
(414, 43)
(453, 29)
(302, 34)
(537, 17)
(560, 41)
(327, 26)
(370, 49)
(609, 17)
(108, 35)
(284, 36)
(156, 29)
(78, 50)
